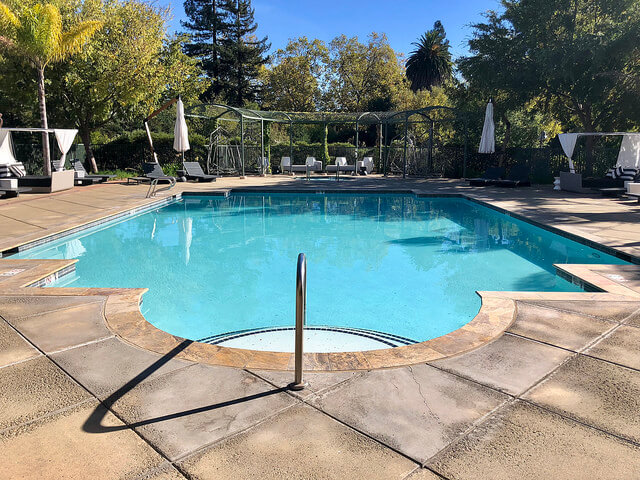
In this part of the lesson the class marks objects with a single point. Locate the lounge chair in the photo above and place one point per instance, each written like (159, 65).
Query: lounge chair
(491, 175)
(341, 163)
(365, 166)
(518, 177)
(82, 177)
(285, 164)
(193, 171)
(310, 163)
(152, 171)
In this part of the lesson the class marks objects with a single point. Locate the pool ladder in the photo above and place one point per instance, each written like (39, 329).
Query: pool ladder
(153, 186)
(301, 314)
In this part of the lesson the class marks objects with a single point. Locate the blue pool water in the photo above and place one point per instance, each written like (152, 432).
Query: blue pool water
(395, 264)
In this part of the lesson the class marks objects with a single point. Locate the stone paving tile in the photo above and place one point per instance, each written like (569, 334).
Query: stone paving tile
(36, 216)
(14, 228)
(614, 311)
(525, 442)
(622, 346)
(60, 206)
(566, 330)
(14, 307)
(633, 319)
(54, 331)
(105, 366)
(34, 388)
(13, 348)
(167, 472)
(186, 409)
(315, 381)
(510, 364)
(58, 447)
(417, 410)
(424, 474)
(299, 443)
(595, 392)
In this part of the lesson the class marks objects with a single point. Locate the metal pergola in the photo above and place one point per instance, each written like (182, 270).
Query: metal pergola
(219, 112)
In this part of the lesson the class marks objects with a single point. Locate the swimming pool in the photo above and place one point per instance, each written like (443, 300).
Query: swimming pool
(383, 269)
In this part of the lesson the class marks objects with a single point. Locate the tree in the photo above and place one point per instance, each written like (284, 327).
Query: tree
(207, 26)
(430, 63)
(573, 58)
(243, 55)
(222, 39)
(362, 76)
(127, 69)
(35, 34)
(293, 82)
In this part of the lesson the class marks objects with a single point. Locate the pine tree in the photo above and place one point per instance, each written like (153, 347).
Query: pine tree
(221, 33)
(208, 24)
(243, 54)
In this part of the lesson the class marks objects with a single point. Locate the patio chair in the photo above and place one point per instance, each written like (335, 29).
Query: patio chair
(285, 164)
(310, 163)
(365, 166)
(518, 177)
(152, 171)
(193, 171)
(82, 177)
(491, 175)
(341, 163)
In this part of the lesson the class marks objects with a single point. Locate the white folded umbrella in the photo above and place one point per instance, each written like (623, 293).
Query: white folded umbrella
(488, 140)
(180, 131)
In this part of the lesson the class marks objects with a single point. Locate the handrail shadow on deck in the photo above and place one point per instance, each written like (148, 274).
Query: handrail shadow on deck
(93, 424)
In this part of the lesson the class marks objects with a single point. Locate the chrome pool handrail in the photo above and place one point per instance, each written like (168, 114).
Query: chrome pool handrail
(301, 314)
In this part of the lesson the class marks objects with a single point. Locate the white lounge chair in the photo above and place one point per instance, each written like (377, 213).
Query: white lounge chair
(311, 163)
(341, 163)
(367, 164)
(285, 164)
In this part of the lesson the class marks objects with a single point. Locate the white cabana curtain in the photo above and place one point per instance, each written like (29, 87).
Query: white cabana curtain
(629, 155)
(488, 140)
(568, 142)
(6, 148)
(65, 138)
(180, 131)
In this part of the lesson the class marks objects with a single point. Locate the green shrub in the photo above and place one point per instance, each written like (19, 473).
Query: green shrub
(131, 149)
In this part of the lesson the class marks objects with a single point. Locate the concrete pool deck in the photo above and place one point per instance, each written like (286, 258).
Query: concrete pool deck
(556, 396)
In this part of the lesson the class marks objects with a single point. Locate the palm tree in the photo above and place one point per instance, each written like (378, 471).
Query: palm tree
(35, 34)
(430, 63)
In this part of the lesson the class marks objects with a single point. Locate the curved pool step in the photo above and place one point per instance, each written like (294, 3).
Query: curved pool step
(317, 339)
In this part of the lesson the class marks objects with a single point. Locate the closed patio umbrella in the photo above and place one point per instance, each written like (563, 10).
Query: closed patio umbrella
(488, 140)
(180, 131)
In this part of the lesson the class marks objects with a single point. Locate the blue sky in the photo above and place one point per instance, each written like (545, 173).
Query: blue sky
(402, 20)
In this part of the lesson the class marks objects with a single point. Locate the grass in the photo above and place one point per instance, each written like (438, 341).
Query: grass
(119, 174)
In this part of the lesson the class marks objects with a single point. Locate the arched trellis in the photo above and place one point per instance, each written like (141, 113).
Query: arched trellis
(383, 120)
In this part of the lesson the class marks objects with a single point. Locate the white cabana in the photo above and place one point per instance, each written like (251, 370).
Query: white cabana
(488, 140)
(180, 131)
(628, 156)
(64, 137)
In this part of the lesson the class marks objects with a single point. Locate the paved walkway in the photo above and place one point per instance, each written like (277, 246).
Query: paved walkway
(557, 396)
